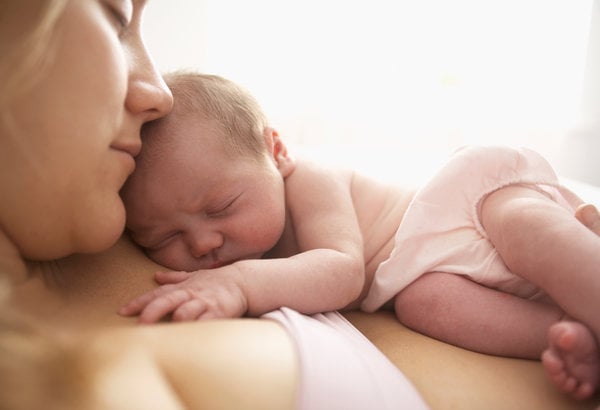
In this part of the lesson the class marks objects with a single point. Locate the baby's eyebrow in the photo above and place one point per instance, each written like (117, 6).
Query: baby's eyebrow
(146, 243)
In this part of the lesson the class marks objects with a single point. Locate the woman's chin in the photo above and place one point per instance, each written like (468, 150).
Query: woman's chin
(101, 236)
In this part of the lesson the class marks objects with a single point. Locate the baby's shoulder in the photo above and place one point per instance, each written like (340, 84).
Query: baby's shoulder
(311, 172)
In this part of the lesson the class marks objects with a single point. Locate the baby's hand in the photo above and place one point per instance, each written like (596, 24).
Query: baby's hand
(204, 294)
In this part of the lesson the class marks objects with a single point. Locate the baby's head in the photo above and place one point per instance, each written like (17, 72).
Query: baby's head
(234, 114)
(209, 183)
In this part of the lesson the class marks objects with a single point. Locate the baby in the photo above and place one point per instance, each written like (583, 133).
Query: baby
(487, 255)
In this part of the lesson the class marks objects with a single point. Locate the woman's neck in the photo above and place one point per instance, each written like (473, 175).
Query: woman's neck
(12, 265)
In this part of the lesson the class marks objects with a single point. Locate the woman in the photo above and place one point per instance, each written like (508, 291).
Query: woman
(77, 86)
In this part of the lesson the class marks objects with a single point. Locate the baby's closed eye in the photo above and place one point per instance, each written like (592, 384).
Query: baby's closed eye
(155, 243)
(221, 209)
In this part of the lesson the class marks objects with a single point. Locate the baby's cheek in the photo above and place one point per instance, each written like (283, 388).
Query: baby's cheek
(171, 257)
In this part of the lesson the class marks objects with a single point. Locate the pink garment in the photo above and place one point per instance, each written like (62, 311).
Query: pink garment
(441, 230)
(341, 369)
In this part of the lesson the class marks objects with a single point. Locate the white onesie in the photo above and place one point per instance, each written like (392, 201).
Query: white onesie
(341, 369)
(441, 230)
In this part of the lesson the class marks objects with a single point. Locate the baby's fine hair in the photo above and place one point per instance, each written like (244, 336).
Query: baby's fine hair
(236, 112)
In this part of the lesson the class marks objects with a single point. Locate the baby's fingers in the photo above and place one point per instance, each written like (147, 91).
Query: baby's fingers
(171, 277)
(163, 305)
(136, 305)
(189, 311)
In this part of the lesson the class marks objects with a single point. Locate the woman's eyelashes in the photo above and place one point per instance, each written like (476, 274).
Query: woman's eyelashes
(121, 13)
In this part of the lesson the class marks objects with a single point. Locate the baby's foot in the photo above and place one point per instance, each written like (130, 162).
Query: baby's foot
(588, 215)
(572, 361)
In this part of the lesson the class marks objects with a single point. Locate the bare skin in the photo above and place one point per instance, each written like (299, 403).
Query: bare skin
(526, 337)
(571, 342)
(58, 268)
(572, 360)
(248, 235)
(81, 292)
(232, 233)
(588, 215)
(569, 352)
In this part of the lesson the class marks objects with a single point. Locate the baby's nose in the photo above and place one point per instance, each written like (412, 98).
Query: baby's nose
(205, 243)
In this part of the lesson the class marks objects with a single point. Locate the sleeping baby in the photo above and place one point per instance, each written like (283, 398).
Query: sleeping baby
(488, 255)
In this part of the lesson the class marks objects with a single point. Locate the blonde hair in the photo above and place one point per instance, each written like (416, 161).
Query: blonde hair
(238, 115)
(26, 56)
(38, 369)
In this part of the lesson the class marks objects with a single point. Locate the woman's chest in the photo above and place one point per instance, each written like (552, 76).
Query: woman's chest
(85, 290)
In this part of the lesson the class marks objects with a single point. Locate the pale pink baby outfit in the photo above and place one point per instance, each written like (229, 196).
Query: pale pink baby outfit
(441, 230)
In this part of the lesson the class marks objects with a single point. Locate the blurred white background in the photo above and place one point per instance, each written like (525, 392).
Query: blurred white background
(396, 85)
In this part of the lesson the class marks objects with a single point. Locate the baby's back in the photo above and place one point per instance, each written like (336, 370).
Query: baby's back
(379, 208)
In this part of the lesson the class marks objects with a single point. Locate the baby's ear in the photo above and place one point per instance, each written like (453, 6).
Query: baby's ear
(284, 161)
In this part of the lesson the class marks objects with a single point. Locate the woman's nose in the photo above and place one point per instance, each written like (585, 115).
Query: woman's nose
(147, 93)
(203, 243)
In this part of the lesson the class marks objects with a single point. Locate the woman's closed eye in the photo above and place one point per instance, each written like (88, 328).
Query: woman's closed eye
(121, 13)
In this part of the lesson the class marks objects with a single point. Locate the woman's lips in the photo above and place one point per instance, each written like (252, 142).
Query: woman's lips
(127, 151)
(131, 148)
(127, 159)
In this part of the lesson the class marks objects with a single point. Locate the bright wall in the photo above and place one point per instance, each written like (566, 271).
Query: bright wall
(407, 79)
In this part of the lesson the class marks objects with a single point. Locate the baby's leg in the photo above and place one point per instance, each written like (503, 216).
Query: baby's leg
(571, 360)
(459, 311)
(572, 352)
(543, 243)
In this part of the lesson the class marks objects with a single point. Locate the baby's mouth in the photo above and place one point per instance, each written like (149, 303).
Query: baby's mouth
(218, 263)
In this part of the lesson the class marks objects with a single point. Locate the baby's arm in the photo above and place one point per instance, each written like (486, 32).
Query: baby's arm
(324, 272)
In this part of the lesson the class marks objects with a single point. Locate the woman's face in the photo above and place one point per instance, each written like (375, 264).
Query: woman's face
(76, 132)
